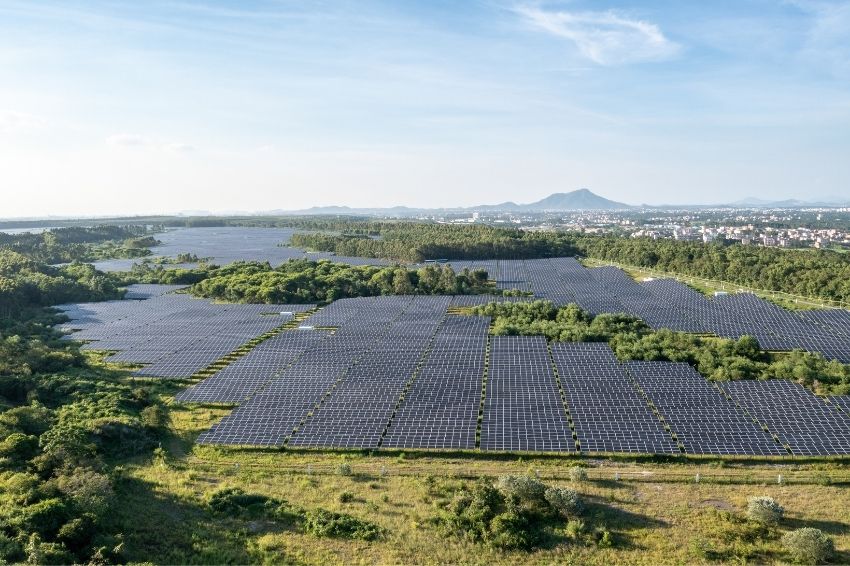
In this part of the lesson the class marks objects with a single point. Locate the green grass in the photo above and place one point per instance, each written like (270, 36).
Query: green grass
(656, 511)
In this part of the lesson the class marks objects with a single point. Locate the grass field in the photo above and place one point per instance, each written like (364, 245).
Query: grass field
(656, 510)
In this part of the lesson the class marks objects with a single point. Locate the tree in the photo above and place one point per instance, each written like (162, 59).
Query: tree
(401, 283)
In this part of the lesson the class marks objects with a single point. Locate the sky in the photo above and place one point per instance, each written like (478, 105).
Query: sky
(126, 107)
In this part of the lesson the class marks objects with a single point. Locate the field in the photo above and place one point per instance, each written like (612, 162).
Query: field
(656, 511)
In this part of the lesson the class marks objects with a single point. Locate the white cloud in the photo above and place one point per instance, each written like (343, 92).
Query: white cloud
(827, 42)
(19, 122)
(127, 140)
(179, 147)
(606, 38)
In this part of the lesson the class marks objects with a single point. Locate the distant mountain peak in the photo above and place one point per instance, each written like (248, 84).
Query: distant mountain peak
(581, 199)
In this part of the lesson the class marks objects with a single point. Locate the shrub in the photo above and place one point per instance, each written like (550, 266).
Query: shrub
(510, 530)
(344, 469)
(578, 473)
(78, 532)
(10, 550)
(346, 497)
(764, 510)
(563, 500)
(808, 545)
(323, 523)
(234, 500)
(523, 488)
(44, 517)
(575, 529)
(90, 491)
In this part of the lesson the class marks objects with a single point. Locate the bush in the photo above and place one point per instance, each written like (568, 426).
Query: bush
(808, 545)
(344, 469)
(523, 488)
(578, 473)
(510, 530)
(764, 510)
(323, 523)
(44, 517)
(90, 491)
(575, 529)
(233, 500)
(346, 497)
(563, 500)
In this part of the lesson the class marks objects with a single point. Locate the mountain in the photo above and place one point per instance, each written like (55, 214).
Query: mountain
(582, 199)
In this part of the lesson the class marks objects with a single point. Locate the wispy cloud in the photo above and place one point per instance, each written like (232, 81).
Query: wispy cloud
(607, 38)
(19, 122)
(179, 147)
(827, 42)
(127, 140)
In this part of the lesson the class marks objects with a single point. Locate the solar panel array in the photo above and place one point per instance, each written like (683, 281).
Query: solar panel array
(840, 402)
(362, 403)
(173, 335)
(441, 408)
(224, 245)
(801, 421)
(523, 409)
(703, 420)
(271, 416)
(240, 379)
(666, 303)
(608, 412)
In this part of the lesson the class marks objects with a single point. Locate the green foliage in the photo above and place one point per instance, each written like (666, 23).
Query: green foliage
(345, 497)
(715, 358)
(564, 500)
(578, 473)
(417, 241)
(323, 523)
(344, 469)
(808, 545)
(523, 488)
(764, 510)
(66, 245)
(515, 514)
(325, 281)
(232, 500)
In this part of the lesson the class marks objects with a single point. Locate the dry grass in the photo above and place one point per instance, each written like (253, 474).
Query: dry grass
(656, 512)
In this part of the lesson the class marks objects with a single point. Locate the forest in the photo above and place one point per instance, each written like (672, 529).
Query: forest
(813, 273)
(66, 245)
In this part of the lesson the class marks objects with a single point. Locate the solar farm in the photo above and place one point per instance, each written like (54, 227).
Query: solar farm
(408, 372)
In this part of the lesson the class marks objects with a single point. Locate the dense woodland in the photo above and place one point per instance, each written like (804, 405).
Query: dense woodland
(715, 358)
(66, 245)
(813, 273)
(324, 282)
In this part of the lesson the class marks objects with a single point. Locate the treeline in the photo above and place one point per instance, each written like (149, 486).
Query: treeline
(813, 273)
(66, 245)
(324, 281)
(415, 242)
(26, 283)
(715, 358)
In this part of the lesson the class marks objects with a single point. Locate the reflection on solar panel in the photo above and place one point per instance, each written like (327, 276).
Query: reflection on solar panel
(522, 407)
(608, 412)
(801, 421)
(703, 420)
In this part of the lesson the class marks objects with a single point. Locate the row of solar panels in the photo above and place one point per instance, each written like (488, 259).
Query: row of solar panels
(423, 384)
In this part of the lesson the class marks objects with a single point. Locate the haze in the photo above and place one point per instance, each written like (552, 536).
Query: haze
(130, 108)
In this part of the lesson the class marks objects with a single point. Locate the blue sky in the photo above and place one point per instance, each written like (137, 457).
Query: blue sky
(138, 107)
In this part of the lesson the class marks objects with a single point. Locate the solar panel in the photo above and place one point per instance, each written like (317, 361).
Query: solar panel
(523, 409)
